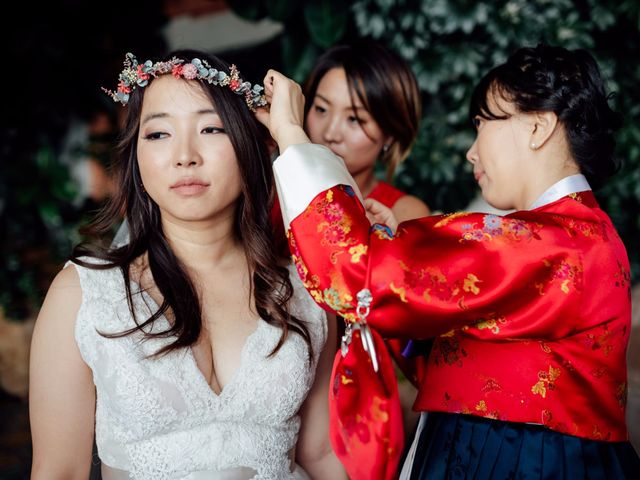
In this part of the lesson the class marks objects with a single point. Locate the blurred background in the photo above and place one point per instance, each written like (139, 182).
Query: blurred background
(58, 128)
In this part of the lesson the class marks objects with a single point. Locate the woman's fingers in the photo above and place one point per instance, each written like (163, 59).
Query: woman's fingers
(379, 213)
(286, 111)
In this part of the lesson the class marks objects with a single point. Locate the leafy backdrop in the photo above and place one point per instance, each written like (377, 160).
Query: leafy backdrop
(450, 44)
(55, 67)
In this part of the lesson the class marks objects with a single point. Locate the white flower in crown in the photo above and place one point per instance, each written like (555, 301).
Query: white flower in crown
(136, 75)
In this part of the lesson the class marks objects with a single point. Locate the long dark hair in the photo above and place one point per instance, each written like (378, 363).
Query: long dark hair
(568, 83)
(386, 86)
(270, 285)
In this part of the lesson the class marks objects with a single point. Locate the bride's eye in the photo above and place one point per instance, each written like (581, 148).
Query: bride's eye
(213, 130)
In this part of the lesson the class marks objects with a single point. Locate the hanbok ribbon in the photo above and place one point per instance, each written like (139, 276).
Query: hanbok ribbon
(365, 416)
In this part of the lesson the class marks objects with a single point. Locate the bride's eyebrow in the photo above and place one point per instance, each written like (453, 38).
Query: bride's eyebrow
(207, 111)
(151, 116)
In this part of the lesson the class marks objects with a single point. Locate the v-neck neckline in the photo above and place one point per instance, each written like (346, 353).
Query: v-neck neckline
(150, 303)
(233, 380)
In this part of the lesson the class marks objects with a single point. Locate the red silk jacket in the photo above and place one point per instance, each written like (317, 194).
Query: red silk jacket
(530, 311)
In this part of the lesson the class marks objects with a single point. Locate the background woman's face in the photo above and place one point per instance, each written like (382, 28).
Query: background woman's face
(347, 129)
(499, 158)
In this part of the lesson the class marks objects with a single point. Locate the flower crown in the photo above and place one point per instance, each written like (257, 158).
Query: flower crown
(137, 75)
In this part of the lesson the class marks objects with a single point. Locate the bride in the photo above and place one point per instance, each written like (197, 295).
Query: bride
(191, 352)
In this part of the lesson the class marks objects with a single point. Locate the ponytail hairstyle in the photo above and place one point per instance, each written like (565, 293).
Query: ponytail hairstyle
(567, 83)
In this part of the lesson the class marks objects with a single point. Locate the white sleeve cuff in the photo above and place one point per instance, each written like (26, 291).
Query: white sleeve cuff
(302, 172)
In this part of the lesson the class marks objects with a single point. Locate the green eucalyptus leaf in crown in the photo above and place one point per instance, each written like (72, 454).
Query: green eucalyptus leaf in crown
(137, 75)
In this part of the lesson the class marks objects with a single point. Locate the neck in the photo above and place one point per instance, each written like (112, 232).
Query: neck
(202, 246)
(543, 183)
(366, 181)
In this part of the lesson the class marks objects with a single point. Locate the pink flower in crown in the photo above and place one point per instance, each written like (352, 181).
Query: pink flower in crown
(123, 87)
(234, 84)
(189, 71)
(176, 71)
(142, 75)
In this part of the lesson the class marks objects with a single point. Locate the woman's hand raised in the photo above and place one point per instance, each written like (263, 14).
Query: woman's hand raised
(285, 116)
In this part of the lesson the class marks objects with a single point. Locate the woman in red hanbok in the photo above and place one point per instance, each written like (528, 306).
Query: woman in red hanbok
(530, 312)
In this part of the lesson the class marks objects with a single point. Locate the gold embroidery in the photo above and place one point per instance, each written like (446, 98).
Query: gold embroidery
(495, 227)
(431, 282)
(622, 276)
(470, 284)
(565, 272)
(357, 252)
(545, 380)
(481, 406)
(378, 410)
(491, 386)
(426, 296)
(491, 323)
(597, 434)
(400, 291)
(600, 341)
(345, 380)
(330, 195)
(576, 196)
(449, 217)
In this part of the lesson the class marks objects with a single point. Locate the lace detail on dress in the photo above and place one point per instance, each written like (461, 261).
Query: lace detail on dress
(157, 418)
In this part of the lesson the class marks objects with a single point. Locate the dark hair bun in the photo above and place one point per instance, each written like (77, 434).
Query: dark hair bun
(568, 83)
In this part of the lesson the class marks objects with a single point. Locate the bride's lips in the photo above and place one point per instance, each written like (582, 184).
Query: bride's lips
(189, 186)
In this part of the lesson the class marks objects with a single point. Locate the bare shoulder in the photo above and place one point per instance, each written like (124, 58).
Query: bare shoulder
(410, 207)
(66, 278)
(63, 297)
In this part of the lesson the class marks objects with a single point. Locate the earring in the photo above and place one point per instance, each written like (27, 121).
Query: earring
(533, 145)
(385, 147)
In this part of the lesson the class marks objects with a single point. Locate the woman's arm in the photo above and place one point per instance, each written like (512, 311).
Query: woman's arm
(61, 390)
(410, 207)
(314, 452)
(435, 273)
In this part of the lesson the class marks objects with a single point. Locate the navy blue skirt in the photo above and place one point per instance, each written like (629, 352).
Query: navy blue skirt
(453, 446)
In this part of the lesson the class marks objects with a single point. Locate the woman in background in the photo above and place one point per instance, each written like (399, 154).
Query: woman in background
(363, 103)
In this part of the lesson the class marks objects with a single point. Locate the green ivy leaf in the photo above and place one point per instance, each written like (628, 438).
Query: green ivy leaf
(281, 10)
(249, 9)
(326, 21)
(298, 57)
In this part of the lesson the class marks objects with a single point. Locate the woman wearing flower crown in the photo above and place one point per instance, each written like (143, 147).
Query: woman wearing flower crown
(192, 349)
(530, 312)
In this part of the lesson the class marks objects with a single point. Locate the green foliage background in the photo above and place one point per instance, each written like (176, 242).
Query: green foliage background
(61, 66)
(450, 45)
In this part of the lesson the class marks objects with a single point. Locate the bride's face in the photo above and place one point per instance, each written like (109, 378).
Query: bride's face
(187, 163)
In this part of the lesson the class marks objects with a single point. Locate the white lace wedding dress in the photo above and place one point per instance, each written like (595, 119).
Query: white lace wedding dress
(159, 419)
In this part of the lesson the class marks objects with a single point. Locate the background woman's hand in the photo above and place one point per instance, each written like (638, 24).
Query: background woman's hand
(285, 117)
(379, 213)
